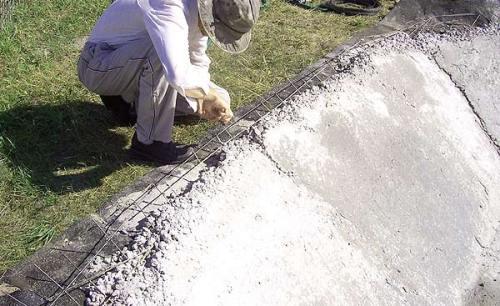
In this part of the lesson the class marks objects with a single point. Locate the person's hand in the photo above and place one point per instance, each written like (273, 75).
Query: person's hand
(213, 107)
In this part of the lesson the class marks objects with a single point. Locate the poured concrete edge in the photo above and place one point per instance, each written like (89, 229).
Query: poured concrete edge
(42, 277)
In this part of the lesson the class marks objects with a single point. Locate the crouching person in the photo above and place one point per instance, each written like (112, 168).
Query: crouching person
(147, 58)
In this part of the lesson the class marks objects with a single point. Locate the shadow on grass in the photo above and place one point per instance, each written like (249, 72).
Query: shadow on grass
(63, 147)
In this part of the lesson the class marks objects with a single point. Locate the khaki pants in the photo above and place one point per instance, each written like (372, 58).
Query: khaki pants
(134, 71)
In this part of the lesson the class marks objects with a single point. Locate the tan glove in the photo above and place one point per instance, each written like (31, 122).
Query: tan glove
(213, 107)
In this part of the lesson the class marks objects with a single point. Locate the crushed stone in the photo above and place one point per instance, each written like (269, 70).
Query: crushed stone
(255, 215)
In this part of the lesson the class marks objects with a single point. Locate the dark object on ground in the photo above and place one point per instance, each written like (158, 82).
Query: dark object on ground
(186, 119)
(160, 152)
(124, 112)
(346, 7)
(353, 7)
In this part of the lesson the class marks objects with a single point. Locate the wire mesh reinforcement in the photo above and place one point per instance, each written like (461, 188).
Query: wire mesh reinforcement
(208, 149)
(211, 147)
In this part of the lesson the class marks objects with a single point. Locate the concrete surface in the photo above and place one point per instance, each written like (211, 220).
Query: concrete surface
(381, 187)
(476, 84)
(354, 261)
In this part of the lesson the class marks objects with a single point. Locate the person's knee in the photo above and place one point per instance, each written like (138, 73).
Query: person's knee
(82, 75)
(85, 75)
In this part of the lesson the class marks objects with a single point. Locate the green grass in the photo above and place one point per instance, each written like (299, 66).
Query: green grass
(62, 155)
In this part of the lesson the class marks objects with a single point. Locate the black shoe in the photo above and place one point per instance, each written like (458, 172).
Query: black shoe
(160, 152)
(124, 112)
(186, 119)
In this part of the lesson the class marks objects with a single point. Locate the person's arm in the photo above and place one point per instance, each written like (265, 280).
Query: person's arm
(168, 29)
(217, 104)
(198, 44)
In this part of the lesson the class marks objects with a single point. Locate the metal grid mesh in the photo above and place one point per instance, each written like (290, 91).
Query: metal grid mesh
(208, 149)
(212, 146)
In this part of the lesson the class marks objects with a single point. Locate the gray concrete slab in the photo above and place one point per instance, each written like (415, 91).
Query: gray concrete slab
(409, 12)
(474, 69)
(404, 159)
(380, 187)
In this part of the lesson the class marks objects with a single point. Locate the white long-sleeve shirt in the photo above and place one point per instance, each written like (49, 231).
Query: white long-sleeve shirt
(172, 26)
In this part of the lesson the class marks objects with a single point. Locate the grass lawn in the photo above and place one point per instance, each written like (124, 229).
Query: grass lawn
(62, 155)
